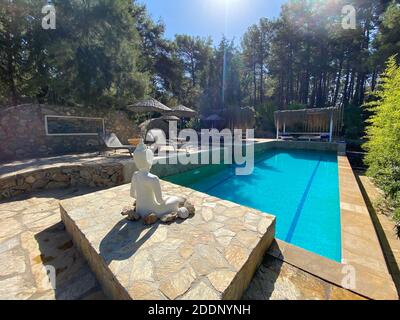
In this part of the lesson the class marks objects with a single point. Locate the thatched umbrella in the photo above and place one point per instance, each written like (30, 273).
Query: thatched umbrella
(149, 105)
(157, 123)
(213, 118)
(183, 112)
(170, 118)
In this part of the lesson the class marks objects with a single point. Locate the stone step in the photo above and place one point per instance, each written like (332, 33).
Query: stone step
(213, 255)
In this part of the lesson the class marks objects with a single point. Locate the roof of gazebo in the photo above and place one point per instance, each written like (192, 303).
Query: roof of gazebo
(293, 116)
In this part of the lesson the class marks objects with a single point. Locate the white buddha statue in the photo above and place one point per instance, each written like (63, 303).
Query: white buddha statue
(146, 187)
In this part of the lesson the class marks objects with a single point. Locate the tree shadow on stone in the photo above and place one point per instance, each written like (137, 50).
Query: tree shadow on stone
(124, 239)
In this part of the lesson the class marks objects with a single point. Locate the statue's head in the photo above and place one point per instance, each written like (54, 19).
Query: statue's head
(143, 157)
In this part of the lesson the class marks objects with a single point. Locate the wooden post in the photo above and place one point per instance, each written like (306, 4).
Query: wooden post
(277, 130)
(331, 129)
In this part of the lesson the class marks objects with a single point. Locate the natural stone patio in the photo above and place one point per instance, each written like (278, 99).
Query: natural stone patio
(211, 256)
(31, 234)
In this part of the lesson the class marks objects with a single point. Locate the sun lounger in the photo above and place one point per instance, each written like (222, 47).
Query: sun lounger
(156, 137)
(286, 137)
(310, 138)
(112, 142)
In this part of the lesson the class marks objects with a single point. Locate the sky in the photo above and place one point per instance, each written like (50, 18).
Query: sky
(211, 17)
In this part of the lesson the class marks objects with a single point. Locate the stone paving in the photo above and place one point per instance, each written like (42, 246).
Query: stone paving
(210, 256)
(31, 235)
(361, 248)
(385, 227)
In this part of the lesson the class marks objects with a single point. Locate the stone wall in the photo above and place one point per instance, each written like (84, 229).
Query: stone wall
(23, 133)
(88, 175)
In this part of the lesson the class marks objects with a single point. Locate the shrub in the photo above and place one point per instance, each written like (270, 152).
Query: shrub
(265, 116)
(353, 122)
(383, 134)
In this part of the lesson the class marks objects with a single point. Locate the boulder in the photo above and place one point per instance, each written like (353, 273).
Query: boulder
(150, 219)
(59, 177)
(30, 179)
(130, 213)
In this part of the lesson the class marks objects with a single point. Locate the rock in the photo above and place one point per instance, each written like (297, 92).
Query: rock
(85, 174)
(133, 216)
(168, 218)
(190, 207)
(59, 177)
(114, 178)
(57, 185)
(7, 183)
(30, 179)
(150, 219)
(130, 213)
(20, 181)
(5, 194)
(127, 210)
(39, 184)
(183, 213)
(40, 175)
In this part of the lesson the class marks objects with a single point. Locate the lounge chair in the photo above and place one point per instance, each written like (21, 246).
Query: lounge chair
(112, 142)
(310, 138)
(156, 137)
(286, 137)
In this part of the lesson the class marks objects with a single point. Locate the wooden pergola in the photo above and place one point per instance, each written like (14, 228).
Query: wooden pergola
(321, 121)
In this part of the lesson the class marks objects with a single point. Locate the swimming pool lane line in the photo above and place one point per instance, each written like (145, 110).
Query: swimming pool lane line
(300, 207)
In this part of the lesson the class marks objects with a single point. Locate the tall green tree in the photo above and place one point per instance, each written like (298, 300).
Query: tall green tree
(91, 58)
(387, 41)
(195, 53)
(95, 51)
(17, 59)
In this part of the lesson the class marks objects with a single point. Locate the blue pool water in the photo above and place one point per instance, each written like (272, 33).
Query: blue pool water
(301, 188)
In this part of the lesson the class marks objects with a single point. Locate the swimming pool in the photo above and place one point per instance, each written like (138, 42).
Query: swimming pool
(301, 188)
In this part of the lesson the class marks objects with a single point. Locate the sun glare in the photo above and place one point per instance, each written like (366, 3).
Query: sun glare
(226, 5)
(229, 9)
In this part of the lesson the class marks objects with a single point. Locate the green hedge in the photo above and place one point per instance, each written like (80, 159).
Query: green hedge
(383, 134)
